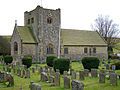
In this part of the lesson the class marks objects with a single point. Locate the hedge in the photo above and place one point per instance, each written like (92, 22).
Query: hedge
(90, 62)
(50, 60)
(27, 60)
(8, 59)
(62, 64)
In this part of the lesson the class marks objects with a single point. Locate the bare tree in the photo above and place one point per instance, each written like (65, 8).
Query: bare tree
(107, 29)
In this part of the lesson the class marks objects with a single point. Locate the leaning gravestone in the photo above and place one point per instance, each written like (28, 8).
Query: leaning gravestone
(44, 76)
(113, 79)
(77, 85)
(101, 77)
(66, 82)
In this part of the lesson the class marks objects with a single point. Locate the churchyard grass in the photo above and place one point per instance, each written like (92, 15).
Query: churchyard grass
(89, 82)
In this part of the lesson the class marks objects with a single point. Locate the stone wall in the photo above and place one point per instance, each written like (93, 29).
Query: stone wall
(77, 52)
(28, 49)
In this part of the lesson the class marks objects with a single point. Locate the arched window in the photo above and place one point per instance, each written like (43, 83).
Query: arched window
(49, 20)
(15, 46)
(50, 49)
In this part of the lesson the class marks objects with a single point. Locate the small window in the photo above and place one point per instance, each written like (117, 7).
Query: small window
(32, 20)
(50, 49)
(94, 50)
(65, 50)
(85, 50)
(15, 46)
(28, 21)
(49, 20)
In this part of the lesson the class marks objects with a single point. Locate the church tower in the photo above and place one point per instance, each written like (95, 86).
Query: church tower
(46, 25)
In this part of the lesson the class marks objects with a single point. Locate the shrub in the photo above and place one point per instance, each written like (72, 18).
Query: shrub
(90, 62)
(8, 59)
(50, 60)
(62, 64)
(27, 60)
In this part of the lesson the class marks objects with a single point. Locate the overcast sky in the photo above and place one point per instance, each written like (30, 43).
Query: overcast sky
(75, 14)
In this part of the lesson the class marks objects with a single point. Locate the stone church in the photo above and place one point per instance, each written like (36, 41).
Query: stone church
(42, 36)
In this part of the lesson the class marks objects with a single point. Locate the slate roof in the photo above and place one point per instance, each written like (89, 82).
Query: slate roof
(26, 34)
(81, 37)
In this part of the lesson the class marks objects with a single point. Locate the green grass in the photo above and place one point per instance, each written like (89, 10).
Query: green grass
(89, 83)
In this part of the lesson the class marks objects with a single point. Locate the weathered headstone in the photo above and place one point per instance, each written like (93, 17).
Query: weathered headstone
(44, 76)
(18, 72)
(27, 75)
(33, 70)
(35, 86)
(73, 76)
(65, 73)
(101, 77)
(81, 75)
(107, 66)
(52, 79)
(77, 85)
(50, 70)
(1, 77)
(23, 73)
(66, 82)
(113, 67)
(113, 79)
(86, 72)
(94, 73)
(40, 70)
(57, 79)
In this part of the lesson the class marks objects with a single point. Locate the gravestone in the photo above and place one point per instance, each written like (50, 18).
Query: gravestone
(101, 77)
(18, 72)
(40, 70)
(44, 76)
(66, 82)
(52, 79)
(50, 70)
(86, 72)
(77, 85)
(33, 70)
(57, 79)
(73, 76)
(94, 73)
(35, 86)
(23, 73)
(113, 67)
(65, 73)
(27, 75)
(1, 77)
(107, 66)
(113, 79)
(81, 75)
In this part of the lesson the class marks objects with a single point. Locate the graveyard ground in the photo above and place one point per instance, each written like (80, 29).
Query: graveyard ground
(89, 83)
